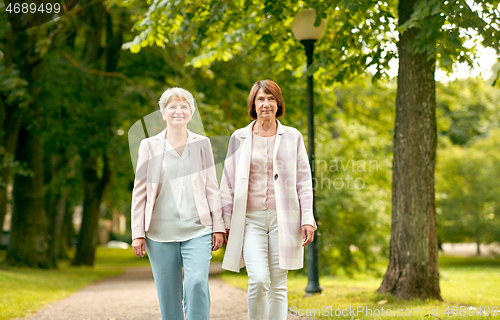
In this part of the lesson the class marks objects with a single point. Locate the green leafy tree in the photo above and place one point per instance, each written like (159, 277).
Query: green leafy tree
(24, 55)
(58, 126)
(353, 196)
(468, 191)
(353, 172)
(467, 109)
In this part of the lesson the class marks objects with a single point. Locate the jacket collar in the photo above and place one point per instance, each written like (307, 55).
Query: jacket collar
(248, 129)
(159, 140)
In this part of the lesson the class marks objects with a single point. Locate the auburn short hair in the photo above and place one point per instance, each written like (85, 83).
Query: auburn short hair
(269, 87)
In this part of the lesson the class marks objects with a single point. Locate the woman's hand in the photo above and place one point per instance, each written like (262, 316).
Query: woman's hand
(217, 240)
(307, 234)
(139, 246)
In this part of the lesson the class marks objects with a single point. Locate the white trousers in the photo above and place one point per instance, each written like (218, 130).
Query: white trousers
(266, 281)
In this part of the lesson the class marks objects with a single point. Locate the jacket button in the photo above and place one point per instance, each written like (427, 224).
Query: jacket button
(276, 177)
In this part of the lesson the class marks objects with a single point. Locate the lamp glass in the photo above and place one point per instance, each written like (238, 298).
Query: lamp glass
(303, 26)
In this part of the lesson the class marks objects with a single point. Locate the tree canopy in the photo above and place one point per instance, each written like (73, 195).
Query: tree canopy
(360, 36)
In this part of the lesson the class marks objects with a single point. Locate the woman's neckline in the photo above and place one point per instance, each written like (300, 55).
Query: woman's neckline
(174, 152)
(276, 121)
(274, 135)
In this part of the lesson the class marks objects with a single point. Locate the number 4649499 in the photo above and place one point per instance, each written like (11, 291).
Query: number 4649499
(471, 311)
(33, 8)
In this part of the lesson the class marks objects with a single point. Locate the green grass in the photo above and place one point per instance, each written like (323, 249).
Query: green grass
(218, 255)
(464, 282)
(24, 290)
(119, 258)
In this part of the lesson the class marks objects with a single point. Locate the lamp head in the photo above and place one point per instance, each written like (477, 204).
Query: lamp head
(303, 26)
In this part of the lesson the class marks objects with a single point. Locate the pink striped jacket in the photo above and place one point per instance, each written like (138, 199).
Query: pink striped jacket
(293, 192)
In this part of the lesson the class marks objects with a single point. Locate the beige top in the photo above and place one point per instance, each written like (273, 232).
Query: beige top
(261, 183)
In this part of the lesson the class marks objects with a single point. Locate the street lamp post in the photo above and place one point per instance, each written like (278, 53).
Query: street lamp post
(304, 30)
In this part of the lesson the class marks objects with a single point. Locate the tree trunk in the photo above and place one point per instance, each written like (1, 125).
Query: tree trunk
(4, 173)
(28, 244)
(28, 240)
(4, 181)
(58, 170)
(94, 188)
(56, 212)
(93, 191)
(67, 233)
(3, 200)
(10, 123)
(413, 257)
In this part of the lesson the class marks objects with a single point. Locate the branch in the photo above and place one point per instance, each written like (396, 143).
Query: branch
(75, 10)
(108, 74)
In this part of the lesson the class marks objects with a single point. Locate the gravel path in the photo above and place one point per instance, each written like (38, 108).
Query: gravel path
(132, 296)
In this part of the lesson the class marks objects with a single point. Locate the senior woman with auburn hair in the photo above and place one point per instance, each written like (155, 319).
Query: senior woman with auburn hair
(176, 210)
(266, 193)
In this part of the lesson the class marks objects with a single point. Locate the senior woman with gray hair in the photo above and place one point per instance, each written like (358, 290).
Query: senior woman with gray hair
(176, 210)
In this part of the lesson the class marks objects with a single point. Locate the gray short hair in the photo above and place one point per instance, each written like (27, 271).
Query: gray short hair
(177, 92)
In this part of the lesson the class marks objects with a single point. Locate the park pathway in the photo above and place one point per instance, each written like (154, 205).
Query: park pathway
(132, 296)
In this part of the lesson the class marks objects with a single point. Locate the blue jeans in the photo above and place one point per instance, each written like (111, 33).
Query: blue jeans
(167, 260)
